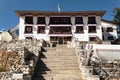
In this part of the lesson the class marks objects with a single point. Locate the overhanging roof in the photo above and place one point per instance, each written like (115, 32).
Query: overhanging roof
(85, 13)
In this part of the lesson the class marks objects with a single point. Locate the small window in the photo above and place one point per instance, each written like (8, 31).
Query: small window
(92, 29)
(79, 29)
(79, 20)
(29, 38)
(41, 29)
(41, 20)
(109, 29)
(28, 20)
(92, 38)
(91, 20)
(28, 29)
(110, 38)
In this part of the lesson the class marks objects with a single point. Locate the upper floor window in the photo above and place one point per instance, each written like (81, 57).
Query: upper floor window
(109, 29)
(41, 29)
(78, 20)
(41, 20)
(28, 29)
(60, 20)
(28, 20)
(91, 20)
(92, 29)
(79, 29)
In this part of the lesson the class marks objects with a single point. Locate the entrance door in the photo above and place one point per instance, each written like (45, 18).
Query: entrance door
(60, 40)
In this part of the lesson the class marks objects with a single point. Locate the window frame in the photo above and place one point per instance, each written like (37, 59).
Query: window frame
(40, 28)
(91, 20)
(28, 21)
(41, 21)
(28, 29)
(90, 30)
(79, 29)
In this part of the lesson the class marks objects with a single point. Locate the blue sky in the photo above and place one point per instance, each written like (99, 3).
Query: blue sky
(9, 19)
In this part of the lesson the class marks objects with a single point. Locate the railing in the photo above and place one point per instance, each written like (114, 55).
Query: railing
(60, 32)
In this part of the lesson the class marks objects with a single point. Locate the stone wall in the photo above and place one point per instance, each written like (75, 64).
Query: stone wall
(23, 58)
(97, 71)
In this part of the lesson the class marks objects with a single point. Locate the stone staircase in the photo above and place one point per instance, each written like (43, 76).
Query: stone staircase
(57, 63)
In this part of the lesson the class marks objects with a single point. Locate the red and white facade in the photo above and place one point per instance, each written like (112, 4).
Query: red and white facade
(60, 27)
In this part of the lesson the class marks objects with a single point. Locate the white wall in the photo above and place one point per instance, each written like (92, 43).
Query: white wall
(105, 52)
(106, 34)
(81, 37)
(34, 34)
(21, 27)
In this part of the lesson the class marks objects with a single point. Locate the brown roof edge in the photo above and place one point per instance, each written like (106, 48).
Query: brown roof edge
(29, 12)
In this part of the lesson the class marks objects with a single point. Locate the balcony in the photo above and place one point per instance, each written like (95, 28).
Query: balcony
(54, 32)
(60, 30)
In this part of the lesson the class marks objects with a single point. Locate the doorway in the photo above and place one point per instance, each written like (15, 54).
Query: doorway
(60, 40)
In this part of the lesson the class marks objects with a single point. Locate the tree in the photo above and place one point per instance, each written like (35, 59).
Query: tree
(116, 18)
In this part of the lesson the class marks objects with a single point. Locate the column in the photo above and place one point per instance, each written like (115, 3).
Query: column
(47, 20)
(98, 20)
(34, 20)
(35, 26)
(85, 21)
(99, 28)
(73, 24)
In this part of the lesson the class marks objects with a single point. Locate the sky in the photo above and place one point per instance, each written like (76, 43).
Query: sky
(8, 18)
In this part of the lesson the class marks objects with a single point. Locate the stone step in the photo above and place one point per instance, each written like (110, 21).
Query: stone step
(61, 57)
(42, 78)
(57, 77)
(63, 68)
(58, 60)
(49, 49)
(59, 52)
(58, 65)
(76, 72)
(56, 55)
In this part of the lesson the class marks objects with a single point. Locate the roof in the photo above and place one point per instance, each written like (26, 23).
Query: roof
(108, 21)
(28, 12)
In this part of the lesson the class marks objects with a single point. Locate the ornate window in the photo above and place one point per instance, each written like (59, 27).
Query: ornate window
(41, 29)
(41, 20)
(60, 20)
(91, 20)
(28, 20)
(28, 29)
(79, 29)
(78, 20)
(92, 29)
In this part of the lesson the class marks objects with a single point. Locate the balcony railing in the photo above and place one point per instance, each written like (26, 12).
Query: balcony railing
(53, 32)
